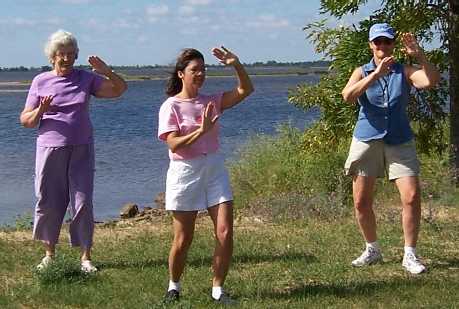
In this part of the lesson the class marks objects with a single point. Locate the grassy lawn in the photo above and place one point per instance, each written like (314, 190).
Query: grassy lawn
(295, 264)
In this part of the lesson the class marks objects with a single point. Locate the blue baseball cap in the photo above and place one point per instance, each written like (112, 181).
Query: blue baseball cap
(381, 30)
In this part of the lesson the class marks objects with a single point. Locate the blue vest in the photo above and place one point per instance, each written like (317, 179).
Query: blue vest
(382, 112)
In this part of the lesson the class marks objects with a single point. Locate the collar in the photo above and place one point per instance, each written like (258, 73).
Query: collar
(371, 66)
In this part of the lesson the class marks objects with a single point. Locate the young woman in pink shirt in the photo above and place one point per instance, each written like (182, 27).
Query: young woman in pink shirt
(197, 178)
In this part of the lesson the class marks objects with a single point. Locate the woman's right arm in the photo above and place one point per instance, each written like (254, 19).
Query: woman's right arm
(358, 84)
(175, 141)
(30, 117)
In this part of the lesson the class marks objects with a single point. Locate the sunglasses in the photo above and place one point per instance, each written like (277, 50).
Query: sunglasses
(385, 41)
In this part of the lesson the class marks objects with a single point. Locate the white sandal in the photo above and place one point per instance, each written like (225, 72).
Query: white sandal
(87, 267)
(45, 262)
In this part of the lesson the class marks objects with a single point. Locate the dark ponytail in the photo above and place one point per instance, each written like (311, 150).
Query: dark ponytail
(174, 83)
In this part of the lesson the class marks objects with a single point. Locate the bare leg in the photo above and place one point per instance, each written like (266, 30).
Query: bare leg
(362, 188)
(410, 195)
(222, 217)
(85, 254)
(50, 249)
(183, 236)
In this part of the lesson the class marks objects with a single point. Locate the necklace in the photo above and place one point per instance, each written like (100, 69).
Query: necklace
(385, 88)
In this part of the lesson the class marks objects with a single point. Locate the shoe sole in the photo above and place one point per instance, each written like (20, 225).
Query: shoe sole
(380, 261)
(413, 273)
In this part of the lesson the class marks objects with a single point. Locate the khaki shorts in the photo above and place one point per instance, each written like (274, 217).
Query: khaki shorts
(374, 158)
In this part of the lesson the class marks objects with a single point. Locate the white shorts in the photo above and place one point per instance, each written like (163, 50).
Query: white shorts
(197, 184)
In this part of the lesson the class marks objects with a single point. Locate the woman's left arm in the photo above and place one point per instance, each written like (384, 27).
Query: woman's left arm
(113, 86)
(244, 87)
(427, 76)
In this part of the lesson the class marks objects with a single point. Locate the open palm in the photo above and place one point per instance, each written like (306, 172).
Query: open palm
(98, 65)
(410, 45)
(225, 56)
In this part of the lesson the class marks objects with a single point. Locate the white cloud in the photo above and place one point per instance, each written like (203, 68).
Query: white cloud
(93, 23)
(125, 24)
(28, 22)
(215, 27)
(142, 39)
(198, 2)
(154, 12)
(196, 20)
(186, 10)
(54, 21)
(19, 21)
(268, 21)
(189, 31)
(76, 1)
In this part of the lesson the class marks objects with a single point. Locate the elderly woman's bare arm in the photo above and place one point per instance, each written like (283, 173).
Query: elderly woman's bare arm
(114, 86)
(30, 117)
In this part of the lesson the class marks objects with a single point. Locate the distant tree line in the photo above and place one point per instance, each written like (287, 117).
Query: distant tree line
(269, 63)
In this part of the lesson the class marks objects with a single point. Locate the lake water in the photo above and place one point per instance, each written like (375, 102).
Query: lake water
(131, 162)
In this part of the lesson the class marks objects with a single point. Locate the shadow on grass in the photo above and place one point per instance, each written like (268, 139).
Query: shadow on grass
(207, 260)
(343, 290)
(284, 257)
(62, 272)
(446, 264)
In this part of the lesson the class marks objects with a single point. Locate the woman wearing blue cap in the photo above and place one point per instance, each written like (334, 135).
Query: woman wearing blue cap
(383, 140)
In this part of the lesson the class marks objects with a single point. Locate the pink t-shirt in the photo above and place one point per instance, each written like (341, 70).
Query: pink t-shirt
(67, 121)
(184, 116)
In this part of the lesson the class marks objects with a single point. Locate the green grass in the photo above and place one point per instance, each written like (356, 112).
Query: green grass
(295, 237)
(294, 264)
(274, 171)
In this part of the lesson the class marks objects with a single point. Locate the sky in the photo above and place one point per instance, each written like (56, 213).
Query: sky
(142, 32)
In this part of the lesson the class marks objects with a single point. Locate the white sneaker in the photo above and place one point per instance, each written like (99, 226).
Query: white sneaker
(45, 262)
(369, 257)
(412, 264)
(87, 267)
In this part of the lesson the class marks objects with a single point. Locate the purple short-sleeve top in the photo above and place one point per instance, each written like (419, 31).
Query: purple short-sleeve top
(67, 121)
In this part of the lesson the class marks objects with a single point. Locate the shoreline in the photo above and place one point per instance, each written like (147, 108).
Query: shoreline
(139, 78)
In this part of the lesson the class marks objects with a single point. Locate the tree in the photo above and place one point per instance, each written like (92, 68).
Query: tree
(453, 49)
(347, 48)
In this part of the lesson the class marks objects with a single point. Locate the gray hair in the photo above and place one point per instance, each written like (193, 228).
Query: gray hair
(58, 39)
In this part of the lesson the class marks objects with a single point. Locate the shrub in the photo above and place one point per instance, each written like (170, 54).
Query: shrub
(285, 176)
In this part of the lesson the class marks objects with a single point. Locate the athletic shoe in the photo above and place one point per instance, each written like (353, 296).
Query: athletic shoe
(45, 262)
(172, 296)
(226, 300)
(412, 264)
(369, 257)
(87, 267)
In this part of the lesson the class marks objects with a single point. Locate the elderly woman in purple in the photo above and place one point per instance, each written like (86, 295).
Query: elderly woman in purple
(58, 102)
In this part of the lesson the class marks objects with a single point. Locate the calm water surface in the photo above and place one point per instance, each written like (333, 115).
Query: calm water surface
(131, 162)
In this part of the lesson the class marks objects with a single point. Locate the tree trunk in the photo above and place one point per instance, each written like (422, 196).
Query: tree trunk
(453, 49)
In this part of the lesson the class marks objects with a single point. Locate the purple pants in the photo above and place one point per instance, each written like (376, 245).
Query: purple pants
(64, 175)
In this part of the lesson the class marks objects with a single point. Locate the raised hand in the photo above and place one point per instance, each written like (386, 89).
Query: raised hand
(411, 46)
(98, 65)
(208, 122)
(225, 56)
(45, 103)
(384, 66)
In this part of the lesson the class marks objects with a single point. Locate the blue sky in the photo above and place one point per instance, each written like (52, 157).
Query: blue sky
(131, 32)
